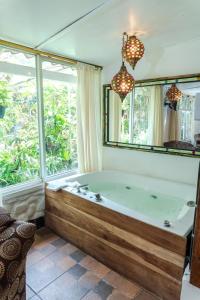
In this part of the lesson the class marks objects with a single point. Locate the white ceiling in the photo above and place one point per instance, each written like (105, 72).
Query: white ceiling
(96, 38)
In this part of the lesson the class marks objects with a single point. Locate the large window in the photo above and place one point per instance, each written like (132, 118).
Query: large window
(59, 117)
(19, 146)
(26, 131)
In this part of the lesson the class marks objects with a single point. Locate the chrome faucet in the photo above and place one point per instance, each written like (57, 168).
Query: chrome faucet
(98, 197)
(81, 187)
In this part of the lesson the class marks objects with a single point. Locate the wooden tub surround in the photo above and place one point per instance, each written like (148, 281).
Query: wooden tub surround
(143, 253)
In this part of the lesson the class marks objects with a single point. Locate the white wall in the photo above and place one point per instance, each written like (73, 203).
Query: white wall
(169, 167)
(175, 60)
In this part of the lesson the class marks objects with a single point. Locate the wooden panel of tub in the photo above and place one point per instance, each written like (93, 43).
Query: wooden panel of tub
(195, 263)
(143, 253)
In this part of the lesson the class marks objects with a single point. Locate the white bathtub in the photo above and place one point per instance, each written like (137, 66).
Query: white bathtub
(148, 199)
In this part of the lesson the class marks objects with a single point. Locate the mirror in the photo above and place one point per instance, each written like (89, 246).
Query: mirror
(149, 120)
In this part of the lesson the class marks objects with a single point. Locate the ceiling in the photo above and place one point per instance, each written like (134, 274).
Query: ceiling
(93, 28)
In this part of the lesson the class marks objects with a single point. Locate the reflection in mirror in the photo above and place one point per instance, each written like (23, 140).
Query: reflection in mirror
(149, 117)
(119, 113)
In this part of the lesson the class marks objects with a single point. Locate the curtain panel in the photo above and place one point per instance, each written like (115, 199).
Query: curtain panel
(89, 133)
(156, 116)
(115, 116)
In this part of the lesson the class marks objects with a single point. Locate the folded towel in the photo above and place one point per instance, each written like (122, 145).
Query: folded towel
(56, 186)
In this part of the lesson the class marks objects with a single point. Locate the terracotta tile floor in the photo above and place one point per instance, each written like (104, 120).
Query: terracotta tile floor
(57, 270)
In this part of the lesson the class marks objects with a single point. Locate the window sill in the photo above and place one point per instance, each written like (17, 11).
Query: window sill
(13, 191)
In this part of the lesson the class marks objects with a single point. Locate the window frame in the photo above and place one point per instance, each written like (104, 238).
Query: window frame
(43, 177)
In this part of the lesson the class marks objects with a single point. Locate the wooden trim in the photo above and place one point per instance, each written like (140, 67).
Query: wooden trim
(143, 253)
(195, 262)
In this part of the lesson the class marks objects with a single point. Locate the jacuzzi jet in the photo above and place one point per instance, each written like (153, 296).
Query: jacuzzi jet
(191, 204)
(128, 187)
(154, 196)
(167, 223)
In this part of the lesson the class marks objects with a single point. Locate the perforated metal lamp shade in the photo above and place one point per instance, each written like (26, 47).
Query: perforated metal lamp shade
(174, 94)
(123, 82)
(133, 50)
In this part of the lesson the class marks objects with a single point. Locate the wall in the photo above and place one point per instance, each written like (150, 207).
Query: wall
(169, 167)
(174, 60)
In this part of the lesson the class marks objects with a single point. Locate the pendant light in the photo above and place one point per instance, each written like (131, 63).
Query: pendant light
(123, 82)
(133, 49)
(173, 95)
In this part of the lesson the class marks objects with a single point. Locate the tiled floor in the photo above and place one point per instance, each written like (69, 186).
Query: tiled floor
(57, 270)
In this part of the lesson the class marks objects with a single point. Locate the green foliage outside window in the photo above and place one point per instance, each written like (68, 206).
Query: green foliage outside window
(19, 138)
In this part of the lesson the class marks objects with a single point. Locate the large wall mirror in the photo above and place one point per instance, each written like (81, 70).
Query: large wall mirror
(148, 120)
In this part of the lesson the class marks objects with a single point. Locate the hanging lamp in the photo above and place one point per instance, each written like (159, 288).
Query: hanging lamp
(174, 95)
(123, 82)
(133, 49)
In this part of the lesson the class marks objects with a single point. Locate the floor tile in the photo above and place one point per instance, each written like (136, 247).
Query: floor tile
(34, 257)
(36, 254)
(48, 269)
(117, 295)
(36, 298)
(78, 255)
(77, 271)
(58, 270)
(103, 290)
(66, 263)
(146, 296)
(125, 286)
(89, 280)
(92, 296)
(48, 249)
(59, 243)
(93, 265)
(68, 249)
(66, 287)
(29, 293)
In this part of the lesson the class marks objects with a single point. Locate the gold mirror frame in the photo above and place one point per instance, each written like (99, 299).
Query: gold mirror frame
(140, 147)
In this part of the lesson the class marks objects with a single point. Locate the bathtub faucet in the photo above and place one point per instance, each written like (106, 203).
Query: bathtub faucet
(98, 197)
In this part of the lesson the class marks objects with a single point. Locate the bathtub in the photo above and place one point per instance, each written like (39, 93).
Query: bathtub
(147, 199)
(126, 229)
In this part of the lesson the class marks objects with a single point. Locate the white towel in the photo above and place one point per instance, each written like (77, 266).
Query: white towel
(59, 185)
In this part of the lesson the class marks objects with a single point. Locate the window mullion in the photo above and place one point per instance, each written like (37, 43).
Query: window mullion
(41, 117)
(131, 116)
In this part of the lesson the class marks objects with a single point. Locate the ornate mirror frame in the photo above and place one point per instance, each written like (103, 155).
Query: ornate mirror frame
(139, 147)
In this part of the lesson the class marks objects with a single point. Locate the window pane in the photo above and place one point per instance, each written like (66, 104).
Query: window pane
(59, 94)
(141, 111)
(19, 141)
(126, 117)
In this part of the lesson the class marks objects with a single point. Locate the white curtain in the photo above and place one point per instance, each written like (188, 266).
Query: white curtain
(155, 133)
(115, 117)
(174, 125)
(89, 118)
